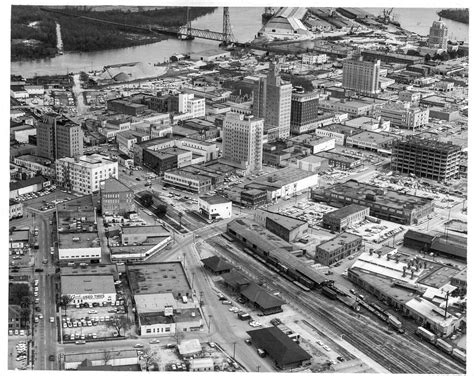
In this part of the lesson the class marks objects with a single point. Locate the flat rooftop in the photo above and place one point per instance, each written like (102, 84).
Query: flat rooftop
(90, 269)
(188, 172)
(35, 159)
(214, 200)
(87, 284)
(90, 161)
(375, 137)
(337, 157)
(345, 211)
(285, 221)
(341, 128)
(280, 178)
(79, 240)
(430, 144)
(338, 241)
(153, 231)
(387, 197)
(156, 278)
(113, 185)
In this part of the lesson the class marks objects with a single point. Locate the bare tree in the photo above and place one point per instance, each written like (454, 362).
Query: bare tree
(151, 357)
(64, 302)
(119, 323)
(106, 356)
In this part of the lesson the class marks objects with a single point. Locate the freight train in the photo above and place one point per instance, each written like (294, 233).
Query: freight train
(443, 345)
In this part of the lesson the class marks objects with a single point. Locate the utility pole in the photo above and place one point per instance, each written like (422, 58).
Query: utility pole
(234, 351)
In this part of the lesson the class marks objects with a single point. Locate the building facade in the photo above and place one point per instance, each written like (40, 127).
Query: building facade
(116, 198)
(242, 142)
(341, 219)
(304, 110)
(58, 137)
(338, 248)
(361, 76)
(401, 115)
(215, 207)
(438, 37)
(426, 158)
(272, 101)
(84, 174)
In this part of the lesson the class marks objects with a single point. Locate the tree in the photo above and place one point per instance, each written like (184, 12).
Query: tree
(64, 302)
(119, 323)
(427, 57)
(146, 199)
(106, 356)
(151, 358)
(161, 210)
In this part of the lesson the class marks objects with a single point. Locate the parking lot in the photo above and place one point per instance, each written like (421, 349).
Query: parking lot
(17, 354)
(46, 199)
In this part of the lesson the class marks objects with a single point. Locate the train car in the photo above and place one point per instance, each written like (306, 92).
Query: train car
(426, 334)
(377, 307)
(395, 323)
(445, 346)
(227, 237)
(302, 287)
(329, 293)
(459, 355)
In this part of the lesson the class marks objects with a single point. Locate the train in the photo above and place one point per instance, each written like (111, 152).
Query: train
(387, 317)
(440, 343)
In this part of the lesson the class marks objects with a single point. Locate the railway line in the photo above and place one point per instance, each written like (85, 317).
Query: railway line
(397, 353)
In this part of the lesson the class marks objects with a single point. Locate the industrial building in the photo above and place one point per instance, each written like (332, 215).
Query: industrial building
(287, 228)
(338, 248)
(361, 76)
(445, 244)
(138, 243)
(286, 23)
(414, 286)
(116, 198)
(384, 203)
(426, 158)
(242, 141)
(341, 219)
(89, 288)
(285, 353)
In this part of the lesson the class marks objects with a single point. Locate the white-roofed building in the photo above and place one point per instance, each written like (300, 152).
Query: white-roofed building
(286, 24)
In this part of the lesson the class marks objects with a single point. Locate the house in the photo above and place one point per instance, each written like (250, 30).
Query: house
(280, 348)
(201, 365)
(216, 265)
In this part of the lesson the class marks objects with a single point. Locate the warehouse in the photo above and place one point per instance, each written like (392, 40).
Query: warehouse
(262, 300)
(89, 288)
(280, 348)
(338, 248)
(384, 203)
(287, 228)
(341, 219)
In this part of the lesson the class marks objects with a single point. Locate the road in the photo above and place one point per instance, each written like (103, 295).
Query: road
(45, 337)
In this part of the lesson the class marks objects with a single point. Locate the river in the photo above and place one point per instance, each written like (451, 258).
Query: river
(245, 24)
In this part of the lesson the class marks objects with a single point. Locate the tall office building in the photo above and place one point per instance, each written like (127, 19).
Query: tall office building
(272, 101)
(426, 158)
(361, 76)
(438, 35)
(243, 141)
(304, 110)
(59, 137)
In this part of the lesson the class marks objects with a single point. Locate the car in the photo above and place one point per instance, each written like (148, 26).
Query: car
(52, 358)
(51, 319)
(340, 358)
(327, 348)
(248, 341)
(138, 346)
(80, 342)
(155, 341)
(92, 312)
(226, 302)
(40, 316)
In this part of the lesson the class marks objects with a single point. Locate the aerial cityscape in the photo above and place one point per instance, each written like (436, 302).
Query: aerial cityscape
(219, 189)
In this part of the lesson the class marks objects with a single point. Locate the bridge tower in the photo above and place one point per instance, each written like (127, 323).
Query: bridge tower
(227, 28)
(188, 30)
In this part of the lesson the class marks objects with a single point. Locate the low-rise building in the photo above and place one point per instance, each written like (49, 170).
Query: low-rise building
(338, 132)
(38, 165)
(372, 141)
(16, 209)
(287, 228)
(384, 203)
(215, 207)
(338, 248)
(312, 163)
(341, 219)
(89, 288)
(253, 197)
(116, 198)
(163, 160)
(401, 115)
(188, 180)
(216, 265)
(339, 161)
(22, 187)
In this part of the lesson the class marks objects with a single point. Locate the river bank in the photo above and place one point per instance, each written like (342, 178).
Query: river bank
(458, 15)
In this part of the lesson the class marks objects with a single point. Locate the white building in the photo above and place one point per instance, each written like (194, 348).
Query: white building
(401, 115)
(85, 173)
(89, 288)
(82, 246)
(314, 59)
(242, 141)
(215, 207)
(196, 107)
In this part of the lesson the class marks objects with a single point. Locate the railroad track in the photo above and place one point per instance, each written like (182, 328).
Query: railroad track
(396, 353)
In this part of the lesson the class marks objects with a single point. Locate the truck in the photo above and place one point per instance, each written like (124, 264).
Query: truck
(244, 316)
(443, 345)
(426, 334)
(185, 299)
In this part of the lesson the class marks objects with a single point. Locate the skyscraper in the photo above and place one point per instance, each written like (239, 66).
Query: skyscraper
(243, 141)
(361, 76)
(438, 35)
(272, 101)
(59, 137)
(304, 110)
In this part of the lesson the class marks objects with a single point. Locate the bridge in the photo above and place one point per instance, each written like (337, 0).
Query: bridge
(184, 32)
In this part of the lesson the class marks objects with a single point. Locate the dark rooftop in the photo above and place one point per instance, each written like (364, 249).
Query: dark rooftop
(216, 264)
(345, 211)
(258, 295)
